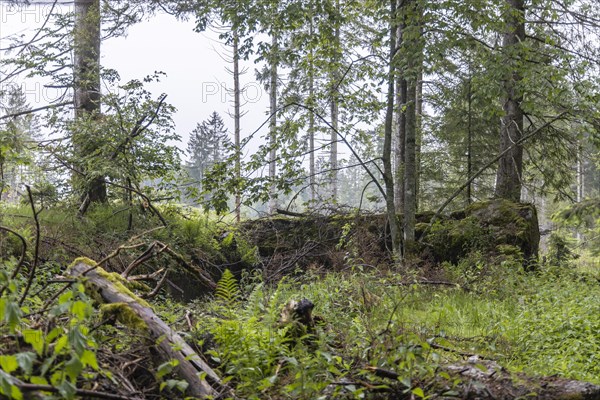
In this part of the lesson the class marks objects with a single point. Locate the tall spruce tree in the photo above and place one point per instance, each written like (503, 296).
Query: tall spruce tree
(209, 144)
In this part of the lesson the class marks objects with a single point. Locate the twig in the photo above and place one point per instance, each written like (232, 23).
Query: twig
(18, 114)
(179, 258)
(21, 259)
(382, 373)
(115, 253)
(30, 387)
(157, 288)
(290, 213)
(448, 349)
(37, 245)
(146, 277)
(148, 254)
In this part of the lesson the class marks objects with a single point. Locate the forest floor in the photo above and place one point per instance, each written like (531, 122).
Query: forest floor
(474, 329)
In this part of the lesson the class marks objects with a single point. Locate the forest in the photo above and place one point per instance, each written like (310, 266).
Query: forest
(414, 216)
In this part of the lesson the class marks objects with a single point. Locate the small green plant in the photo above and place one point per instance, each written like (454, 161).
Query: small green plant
(228, 290)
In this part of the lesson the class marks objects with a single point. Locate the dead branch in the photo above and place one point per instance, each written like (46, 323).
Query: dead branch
(290, 213)
(88, 394)
(190, 366)
(21, 259)
(37, 244)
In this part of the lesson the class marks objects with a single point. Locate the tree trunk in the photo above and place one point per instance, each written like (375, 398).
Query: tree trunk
(236, 118)
(87, 87)
(400, 134)
(413, 55)
(273, 123)
(419, 133)
(410, 168)
(333, 155)
(311, 120)
(387, 140)
(510, 167)
(190, 365)
(469, 135)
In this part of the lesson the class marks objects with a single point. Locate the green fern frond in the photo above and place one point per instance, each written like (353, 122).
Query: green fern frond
(228, 289)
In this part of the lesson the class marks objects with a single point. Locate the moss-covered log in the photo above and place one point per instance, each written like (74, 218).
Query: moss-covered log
(138, 314)
(494, 228)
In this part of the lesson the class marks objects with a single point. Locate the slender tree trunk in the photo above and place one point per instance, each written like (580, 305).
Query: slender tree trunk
(510, 167)
(419, 133)
(469, 136)
(410, 169)
(335, 76)
(387, 140)
(410, 163)
(311, 120)
(236, 118)
(580, 180)
(87, 88)
(273, 124)
(400, 134)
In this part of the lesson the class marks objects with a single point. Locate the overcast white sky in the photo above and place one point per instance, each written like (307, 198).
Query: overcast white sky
(196, 74)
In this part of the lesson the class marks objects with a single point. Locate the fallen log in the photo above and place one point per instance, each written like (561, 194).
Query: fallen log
(109, 288)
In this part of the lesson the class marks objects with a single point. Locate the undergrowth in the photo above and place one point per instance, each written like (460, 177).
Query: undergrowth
(541, 323)
(366, 323)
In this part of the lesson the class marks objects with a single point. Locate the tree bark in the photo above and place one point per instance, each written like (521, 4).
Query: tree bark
(413, 54)
(311, 119)
(419, 133)
(410, 168)
(172, 345)
(87, 85)
(236, 118)
(273, 123)
(400, 133)
(469, 134)
(333, 155)
(387, 140)
(510, 167)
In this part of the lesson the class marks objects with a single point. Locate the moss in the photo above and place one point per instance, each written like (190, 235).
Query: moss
(120, 284)
(84, 260)
(124, 314)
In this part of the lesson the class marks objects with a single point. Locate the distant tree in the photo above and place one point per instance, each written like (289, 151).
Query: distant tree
(15, 133)
(209, 144)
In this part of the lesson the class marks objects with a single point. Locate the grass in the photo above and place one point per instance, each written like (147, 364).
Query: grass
(540, 323)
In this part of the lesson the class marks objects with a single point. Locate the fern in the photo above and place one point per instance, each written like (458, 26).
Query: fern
(228, 289)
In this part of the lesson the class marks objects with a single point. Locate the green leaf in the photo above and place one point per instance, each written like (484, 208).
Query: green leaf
(80, 309)
(12, 314)
(406, 381)
(9, 363)
(73, 368)
(77, 340)
(35, 338)
(61, 343)
(15, 393)
(26, 360)
(67, 390)
(166, 368)
(418, 392)
(38, 380)
(88, 358)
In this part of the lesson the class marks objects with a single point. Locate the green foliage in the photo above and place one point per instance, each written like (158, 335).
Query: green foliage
(61, 356)
(554, 327)
(227, 290)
